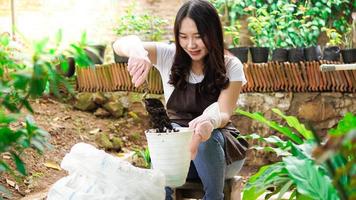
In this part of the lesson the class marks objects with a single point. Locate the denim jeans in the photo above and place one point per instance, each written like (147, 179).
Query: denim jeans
(210, 167)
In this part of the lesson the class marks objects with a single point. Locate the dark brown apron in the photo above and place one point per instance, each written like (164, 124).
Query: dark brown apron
(186, 104)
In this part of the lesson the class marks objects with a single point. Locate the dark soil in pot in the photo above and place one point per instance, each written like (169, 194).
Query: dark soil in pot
(349, 55)
(312, 53)
(71, 68)
(259, 54)
(296, 55)
(240, 52)
(331, 53)
(158, 115)
(280, 55)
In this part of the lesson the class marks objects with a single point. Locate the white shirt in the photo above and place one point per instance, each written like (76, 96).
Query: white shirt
(165, 56)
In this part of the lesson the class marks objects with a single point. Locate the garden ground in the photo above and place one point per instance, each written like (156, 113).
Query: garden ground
(68, 126)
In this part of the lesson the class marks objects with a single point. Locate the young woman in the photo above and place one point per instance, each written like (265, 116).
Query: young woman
(201, 87)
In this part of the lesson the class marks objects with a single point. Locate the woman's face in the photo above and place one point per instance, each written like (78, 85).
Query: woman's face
(190, 40)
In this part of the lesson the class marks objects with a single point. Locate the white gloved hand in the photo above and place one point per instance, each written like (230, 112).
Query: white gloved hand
(138, 68)
(139, 64)
(202, 132)
(203, 126)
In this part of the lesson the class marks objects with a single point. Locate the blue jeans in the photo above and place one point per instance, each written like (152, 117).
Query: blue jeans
(210, 167)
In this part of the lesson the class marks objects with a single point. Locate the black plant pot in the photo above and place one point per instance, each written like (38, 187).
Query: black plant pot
(331, 53)
(280, 55)
(259, 54)
(120, 59)
(71, 68)
(240, 52)
(312, 53)
(96, 53)
(296, 55)
(349, 55)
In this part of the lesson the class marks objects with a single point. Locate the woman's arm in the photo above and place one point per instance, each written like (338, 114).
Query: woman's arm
(227, 101)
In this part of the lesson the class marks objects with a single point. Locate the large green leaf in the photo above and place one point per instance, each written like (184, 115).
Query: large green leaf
(7, 138)
(4, 166)
(272, 124)
(21, 80)
(275, 140)
(38, 81)
(266, 177)
(310, 180)
(345, 125)
(294, 122)
(7, 118)
(280, 152)
(303, 151)
(20, 166)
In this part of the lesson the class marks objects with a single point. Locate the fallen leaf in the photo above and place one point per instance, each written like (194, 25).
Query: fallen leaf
(6, 156)
(95, 131)
(11, 183)
(120, 155)
(67, 117)
(52, 165)
(133, 115)
(56, 119)
(56, 126)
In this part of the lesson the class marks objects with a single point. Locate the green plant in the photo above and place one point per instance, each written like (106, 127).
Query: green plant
(148, 26)
(308, 169)
(335, 38)
(28, 79)
(350, 35)
(145, 155)
(233, 32)
(261, 28)
(233, 10)
(278, 26)
(283, 23)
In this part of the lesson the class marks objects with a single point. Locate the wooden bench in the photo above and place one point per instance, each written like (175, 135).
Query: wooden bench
(194, 190)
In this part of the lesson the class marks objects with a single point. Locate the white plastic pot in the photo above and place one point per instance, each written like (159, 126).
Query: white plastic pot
(170, 154)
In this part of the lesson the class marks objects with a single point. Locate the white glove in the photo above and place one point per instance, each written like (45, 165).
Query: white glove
(211, 113)
(139, 64)
(138, 68)
(203, 126)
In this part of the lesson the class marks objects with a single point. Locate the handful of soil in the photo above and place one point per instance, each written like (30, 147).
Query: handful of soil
(158, 115)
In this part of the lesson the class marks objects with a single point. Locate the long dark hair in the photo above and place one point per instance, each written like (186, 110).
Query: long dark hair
(209, 27)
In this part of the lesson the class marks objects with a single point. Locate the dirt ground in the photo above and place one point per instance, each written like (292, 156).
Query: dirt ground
(68, 126)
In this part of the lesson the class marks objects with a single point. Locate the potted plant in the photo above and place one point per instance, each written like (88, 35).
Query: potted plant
(147, 25)
(168, 146)
(261, 35)
(332, 50)
(96, 53)
(233, 32)
(349, 53)
(280, 51)
(297, 40)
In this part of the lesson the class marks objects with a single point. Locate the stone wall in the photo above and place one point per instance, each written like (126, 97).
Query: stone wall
(321, 110)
